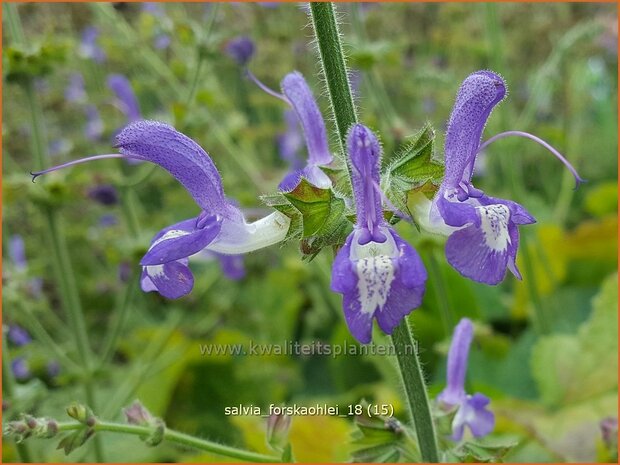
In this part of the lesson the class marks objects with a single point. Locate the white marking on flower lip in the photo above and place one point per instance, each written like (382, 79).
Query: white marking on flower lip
(494, 225)
(172, 234)
(156, 271)
(375, 271)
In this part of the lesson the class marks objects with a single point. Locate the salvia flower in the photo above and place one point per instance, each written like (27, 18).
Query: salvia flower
(291, 141)
(17, 252)
(471, 411)
(18, 335)
(379, 274)
(75, 91)
(241, 49)
(125, 96)
(20, 368)
(298, 94)
(89, 48)
(220, 227)
(483, 230)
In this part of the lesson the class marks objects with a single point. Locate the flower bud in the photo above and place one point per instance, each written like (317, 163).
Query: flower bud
(137, 414)
(278, 427)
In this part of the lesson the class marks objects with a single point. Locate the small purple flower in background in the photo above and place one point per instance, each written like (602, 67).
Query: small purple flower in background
(59, 147)
(18, 336)
(232, 266)
(379, 275)
(162, 41)
(75, 91)
(17, 252)
(105, 194)
(20, 368)
(241, 49)
(53, 368)
(299, 96)
(153, 8)
(125, 96)
(220, 227)
(89, 48)
(94, 125)
(472, 411)
(108, 220)
(483, 231)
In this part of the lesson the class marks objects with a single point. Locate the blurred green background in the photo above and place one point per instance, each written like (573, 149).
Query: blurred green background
(550, 388)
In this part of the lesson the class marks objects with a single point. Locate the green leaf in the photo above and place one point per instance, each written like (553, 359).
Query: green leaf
(414, 168)
(571, 368)
(280, 203)
(320, 208)
(487, 450)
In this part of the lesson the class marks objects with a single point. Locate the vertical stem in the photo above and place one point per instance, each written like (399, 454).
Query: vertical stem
(334, 68)
(415, 388)
(8, 386)
(60, 255)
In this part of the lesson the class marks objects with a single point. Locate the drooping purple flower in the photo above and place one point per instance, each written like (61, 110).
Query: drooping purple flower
(75, 91)
(17, 252)
(299, 96)
(379, 274)
(241, 49)
(220, 227)
(125, 96)
(105, 194)
(20, 368)
(18, 335)
(483, 230)
(94, 125)
(471, 411)
(89, 48)
(291, 141)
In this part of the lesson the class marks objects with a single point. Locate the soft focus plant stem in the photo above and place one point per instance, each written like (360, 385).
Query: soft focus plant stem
(60, 254)
(415, 388)
(336, 77)
(8, 388)
(177, 438)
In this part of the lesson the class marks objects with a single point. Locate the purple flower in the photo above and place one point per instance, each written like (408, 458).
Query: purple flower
(105, 194)
(232, 265)
(241, 49)
(94, 125)
(483, 231)
(153, 8)
(18, 335)
(75, 91)
(17, 252)
(471, 410)
(108, 220)
(220, 227)
(126, 99)
(89, 48)
(161, 41)
(379, 275)
(20, 368)
(291, 141)
(299, 96)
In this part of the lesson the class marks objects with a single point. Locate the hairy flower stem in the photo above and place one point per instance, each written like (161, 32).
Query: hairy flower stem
(334, 67)
(60, 254)
(415, 388)
(175, 437)
(336, 77)
(8, 387)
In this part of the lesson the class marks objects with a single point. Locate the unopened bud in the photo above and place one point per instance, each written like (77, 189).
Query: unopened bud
(137, 414)
(79, 412)
(278, 427)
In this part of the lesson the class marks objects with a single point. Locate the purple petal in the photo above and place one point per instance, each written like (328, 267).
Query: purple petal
(172, 280)
(482, 253)
(313, 174)
(291, 141)
(182, 240)
(121, 86)
(296, 90)
(407, 289)
(455, 213)
(473, 413)
(20, 368)
(454, 393)
(365, 155)
(183, 158)
(290, 181)
(479, 93)
(75, 90)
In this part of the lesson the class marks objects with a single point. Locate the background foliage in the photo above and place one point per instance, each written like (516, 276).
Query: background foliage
(549, 391)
